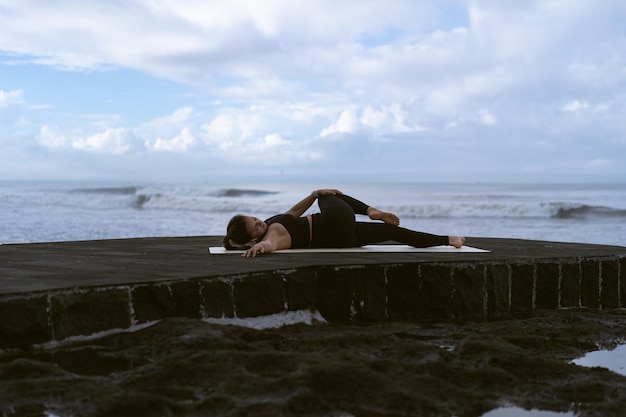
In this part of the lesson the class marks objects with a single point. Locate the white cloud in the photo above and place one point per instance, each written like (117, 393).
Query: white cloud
(575, 105)
(112, 141)
(52, 138)
(175, 125)
(233, 125)
(182, 142)
(272, 140)
(8, 98)
(179, 116)
(346, 123)
(372, 122)
(388, 119)
(486, 117)
(244, 135)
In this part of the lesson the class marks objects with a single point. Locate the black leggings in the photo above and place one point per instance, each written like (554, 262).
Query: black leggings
(336, 227)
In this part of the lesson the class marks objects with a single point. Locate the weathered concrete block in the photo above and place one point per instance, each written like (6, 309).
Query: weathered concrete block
(498, 291)
(609, 293)
(259, 295)
(431, 295)
(468, 294)
(335, 293)
(437, 287)
(152, 302)
(522, 282)
(300, 288)
(405, 299)
(85, 313)
(24, 322)
(371, 294)
(570, 284)
(547, 286)
(590, 284)
(186, 299)
(217, 298)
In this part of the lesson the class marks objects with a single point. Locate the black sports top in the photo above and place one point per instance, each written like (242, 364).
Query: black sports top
(298, 229)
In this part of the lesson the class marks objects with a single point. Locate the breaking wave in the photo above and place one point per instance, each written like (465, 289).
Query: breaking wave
(140, 200)
(507, 210)
(108, 190)
(585, 211)
(235, 192)
(173, 198)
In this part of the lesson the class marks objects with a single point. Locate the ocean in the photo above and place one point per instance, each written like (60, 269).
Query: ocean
(67, 211)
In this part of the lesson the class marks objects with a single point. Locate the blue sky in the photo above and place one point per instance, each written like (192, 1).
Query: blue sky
(245, 90)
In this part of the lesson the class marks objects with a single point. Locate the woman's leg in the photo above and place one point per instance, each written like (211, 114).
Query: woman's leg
(373, 213)
(371, 233)
(358, 207)
(334, 225)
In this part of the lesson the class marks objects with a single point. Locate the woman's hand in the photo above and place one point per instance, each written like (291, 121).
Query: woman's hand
(328, 191)
(255, 250)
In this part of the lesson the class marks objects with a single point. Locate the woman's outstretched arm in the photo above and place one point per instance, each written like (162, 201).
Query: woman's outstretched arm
(264, 246)
(304, 204)
(276, 238)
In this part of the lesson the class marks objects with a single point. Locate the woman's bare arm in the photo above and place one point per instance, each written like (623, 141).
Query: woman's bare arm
(276, 238)
(304, 204)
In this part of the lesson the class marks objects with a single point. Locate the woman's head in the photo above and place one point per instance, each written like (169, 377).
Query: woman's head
(243, 231)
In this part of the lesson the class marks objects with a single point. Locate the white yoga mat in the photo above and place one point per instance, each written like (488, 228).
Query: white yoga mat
(218, 250)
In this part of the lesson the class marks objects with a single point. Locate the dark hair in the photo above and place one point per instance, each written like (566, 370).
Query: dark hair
(236, 233)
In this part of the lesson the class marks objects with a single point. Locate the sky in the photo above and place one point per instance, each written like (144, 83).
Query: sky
(325, 90)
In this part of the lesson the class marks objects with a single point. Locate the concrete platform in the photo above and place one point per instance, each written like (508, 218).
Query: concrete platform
(53, 291)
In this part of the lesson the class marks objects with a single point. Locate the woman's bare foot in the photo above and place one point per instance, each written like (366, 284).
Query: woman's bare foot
(456, 241)
(389, 218)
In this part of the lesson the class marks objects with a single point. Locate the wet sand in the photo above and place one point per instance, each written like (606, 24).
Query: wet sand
(188, 367)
